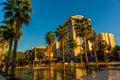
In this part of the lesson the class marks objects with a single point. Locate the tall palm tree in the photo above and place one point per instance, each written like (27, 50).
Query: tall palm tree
(103, 46)
(93, 40)
(62, 33)
(72, 45)
(19, 12)
(50, 38)
(84, 30)
(3, 45)
(8, 34)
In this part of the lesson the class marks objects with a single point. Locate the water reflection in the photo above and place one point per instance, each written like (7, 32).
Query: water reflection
(56, 72)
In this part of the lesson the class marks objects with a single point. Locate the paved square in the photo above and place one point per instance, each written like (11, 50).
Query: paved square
(111, 74)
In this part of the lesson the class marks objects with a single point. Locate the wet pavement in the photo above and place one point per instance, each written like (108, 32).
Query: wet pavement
(109, 74)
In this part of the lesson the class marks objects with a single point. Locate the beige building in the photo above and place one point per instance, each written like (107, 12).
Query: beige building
(56, 49)
(70, 22)
(108, 37)
(35, 49)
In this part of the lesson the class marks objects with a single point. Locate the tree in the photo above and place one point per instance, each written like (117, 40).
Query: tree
(103, 46)
(93, 40)
(84, 30)
(17, 11)
(116, 53)
(3, 45)
(72, 45)
(8, 34)
(20, 57)
(40, 54)
(50, 38)
(62, 33)
(29, 56)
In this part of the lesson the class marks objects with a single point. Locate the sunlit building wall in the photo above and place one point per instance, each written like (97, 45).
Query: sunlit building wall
(56, 49)
(70, 22)
(108, 37)
(34, 50)
(111, 40)
(90, 46)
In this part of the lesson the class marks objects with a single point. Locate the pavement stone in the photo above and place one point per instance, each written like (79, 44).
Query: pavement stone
(109, 74)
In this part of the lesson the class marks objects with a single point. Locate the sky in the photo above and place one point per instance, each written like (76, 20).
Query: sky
(47, 15)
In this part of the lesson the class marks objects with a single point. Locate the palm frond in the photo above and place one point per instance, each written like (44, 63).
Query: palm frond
(8, 14)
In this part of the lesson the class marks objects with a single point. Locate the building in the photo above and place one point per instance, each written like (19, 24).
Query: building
(70, 22)
(35, 49)
(108, 37)
(56, 49)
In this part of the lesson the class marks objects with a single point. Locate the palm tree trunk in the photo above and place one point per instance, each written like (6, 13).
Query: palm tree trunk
(15, 52)
(81, 59)
(86, 56)
(63, 51)
(2, 55)
(105, 58)
(3, 50)
(63, 56)
(49, 50)
(95, 56)
(73, 55)
(14, 59)
(8, 58)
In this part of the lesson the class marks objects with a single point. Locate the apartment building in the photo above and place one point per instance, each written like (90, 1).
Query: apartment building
(108, 37)
(56, 49)
(70, 22)
(36, 48)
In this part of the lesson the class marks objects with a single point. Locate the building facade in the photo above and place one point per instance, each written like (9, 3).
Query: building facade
(56, 49)
(70, 22)
(35, 49)
(108, 37)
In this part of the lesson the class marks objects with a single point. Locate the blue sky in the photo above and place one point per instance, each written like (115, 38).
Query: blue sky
(49, 14)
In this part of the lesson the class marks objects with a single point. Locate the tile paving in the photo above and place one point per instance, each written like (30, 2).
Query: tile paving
(109, 74)
(2, 78)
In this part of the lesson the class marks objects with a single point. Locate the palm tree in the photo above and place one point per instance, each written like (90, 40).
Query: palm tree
(103, 46)
(50, 39)
(84, 30)
(116, 53)
(72, 45)
(3, 45)
(29, 57)
(40, 54)
(93, 40)
(17, 11)
(8, 34)
(62, 33)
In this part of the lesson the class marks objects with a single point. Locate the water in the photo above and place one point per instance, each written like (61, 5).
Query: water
(55, 72)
